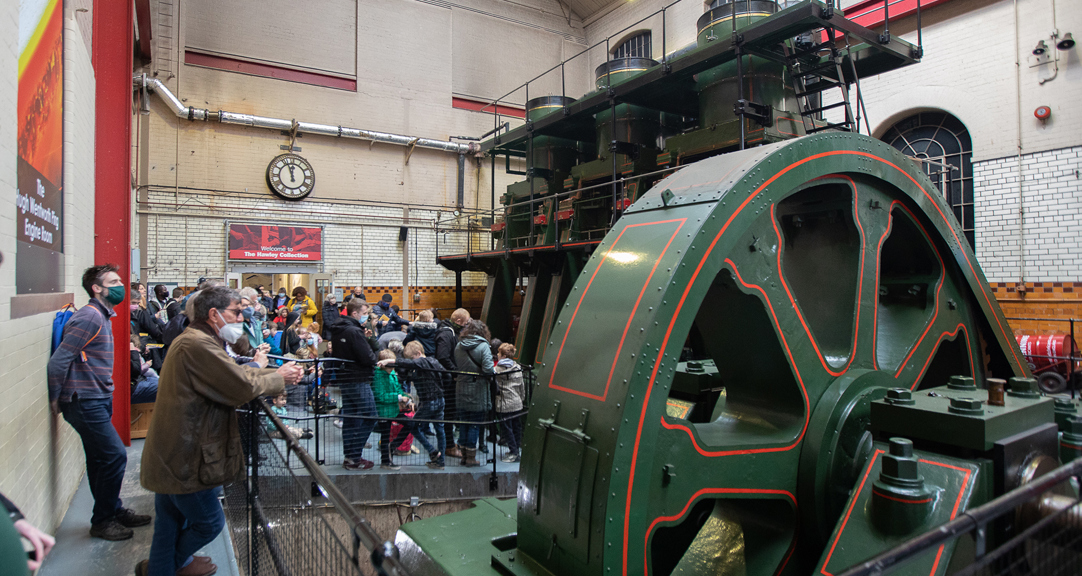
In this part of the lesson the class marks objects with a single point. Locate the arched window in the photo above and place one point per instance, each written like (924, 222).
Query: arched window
(941, 144)
(637, 46)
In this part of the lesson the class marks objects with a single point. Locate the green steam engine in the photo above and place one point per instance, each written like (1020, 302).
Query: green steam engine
(763, 344)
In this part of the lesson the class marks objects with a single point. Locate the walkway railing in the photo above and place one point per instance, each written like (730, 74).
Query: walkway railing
(331, 422)
(285, 525)
(1050, 545)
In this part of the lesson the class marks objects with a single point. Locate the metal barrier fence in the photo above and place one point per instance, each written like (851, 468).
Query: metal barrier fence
(334, 416)
(286, 525)
(1047, 514)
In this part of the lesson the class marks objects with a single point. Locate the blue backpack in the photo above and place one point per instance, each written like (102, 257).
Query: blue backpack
(59, 322)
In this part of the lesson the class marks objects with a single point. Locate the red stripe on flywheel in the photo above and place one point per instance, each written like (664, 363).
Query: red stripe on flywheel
(695, 275)
(552, 374)
(705, 491)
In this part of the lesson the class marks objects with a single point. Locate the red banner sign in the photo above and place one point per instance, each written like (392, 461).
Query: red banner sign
(281, 243)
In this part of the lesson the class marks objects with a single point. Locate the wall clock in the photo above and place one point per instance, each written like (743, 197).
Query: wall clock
(291, 176)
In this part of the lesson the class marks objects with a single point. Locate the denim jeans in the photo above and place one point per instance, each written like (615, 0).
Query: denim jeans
(357, 400)
(432, 411)
(106, 457)
(145, 390)
(511, 430)
(183, 523)
(468, 433)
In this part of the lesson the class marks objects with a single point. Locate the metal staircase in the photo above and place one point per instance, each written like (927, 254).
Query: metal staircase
(814, 70)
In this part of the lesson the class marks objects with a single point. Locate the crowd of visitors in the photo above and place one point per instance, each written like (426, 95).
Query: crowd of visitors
(199, 356)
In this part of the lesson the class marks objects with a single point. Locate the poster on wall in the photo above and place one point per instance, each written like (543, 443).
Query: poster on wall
(276, 243)
(39, 201)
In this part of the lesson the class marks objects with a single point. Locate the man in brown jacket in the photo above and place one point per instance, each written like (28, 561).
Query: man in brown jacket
(193, 444)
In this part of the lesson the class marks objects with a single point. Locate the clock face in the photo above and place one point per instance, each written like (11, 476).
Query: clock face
(291, 177)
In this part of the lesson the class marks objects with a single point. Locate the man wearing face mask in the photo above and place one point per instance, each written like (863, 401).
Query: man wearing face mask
(81, 388)
(352, 341)
(193, 444)
(281, 300)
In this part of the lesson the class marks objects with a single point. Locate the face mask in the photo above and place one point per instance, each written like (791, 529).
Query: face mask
(281, 294)
(114, 295)
(231, 332)
(248, 312)
(311, 341)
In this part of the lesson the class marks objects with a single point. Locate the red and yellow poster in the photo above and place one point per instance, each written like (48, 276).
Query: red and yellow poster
(39, 201)
(281, 243)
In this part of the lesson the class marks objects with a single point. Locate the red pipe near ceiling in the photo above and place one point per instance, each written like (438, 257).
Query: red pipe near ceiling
(112, 60)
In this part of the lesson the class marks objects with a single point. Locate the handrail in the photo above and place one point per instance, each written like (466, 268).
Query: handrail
(971, 520)
(384, 554)
(662, 10)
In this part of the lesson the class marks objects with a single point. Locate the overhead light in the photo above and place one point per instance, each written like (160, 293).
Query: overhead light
(1066, 43)
(1040, 49)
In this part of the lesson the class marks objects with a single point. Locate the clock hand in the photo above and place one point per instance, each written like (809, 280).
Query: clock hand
(291, 178)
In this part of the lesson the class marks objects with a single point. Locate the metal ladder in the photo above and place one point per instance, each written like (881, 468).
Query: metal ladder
(809, 82)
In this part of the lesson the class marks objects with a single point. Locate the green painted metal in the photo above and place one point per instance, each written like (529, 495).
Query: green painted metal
(961, 418)
(499, 296)
(877, 512)
(817, 274)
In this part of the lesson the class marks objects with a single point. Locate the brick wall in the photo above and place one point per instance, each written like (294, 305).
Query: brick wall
(42, 456)
(1051, 249)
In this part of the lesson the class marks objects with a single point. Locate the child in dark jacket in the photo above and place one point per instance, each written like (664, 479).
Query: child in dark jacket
(426, 375)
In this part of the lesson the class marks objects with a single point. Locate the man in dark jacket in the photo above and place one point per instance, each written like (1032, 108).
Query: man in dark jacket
(81, 388)
(387, 319)
(159, 301)
(351, 342)
(446, 339)
(144, 323)
(357, 292)
(329, 313)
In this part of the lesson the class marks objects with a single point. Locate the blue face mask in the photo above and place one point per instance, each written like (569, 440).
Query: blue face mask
(248, 312)
(311, 341)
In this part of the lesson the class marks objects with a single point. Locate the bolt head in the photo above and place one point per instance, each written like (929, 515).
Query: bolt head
(1073, 425)
(965, 403)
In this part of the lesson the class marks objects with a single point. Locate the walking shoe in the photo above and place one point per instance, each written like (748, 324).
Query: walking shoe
(337, 422)
(130, 519)
(307, 434)
(468, 459)
(509, 458)
(435, 465)
(141, 567)
(111, 530)
(197, 568)
(454, 452)
(361, 464)
(483, 448)
(435, 456)
(390, 466)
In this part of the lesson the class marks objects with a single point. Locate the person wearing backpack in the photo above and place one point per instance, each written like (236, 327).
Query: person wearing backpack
(80, 377)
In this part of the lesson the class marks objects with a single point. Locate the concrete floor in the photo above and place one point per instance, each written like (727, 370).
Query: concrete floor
(77, 553)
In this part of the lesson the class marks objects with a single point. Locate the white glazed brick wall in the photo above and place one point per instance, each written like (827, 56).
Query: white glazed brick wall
(360, 242)
(42, 458)
(1052, 199)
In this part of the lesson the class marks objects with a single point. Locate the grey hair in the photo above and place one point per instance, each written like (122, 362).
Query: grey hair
(396, 347)
(135, 297)
(217, 297)
(249, 293)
